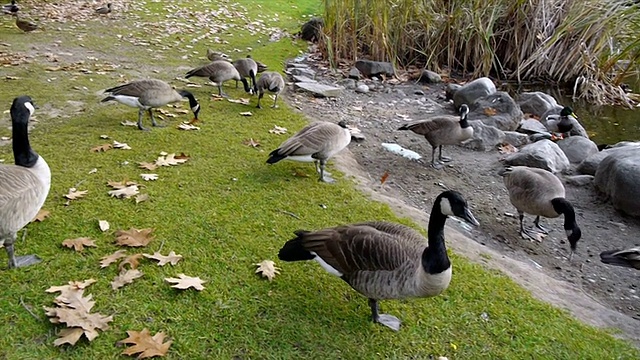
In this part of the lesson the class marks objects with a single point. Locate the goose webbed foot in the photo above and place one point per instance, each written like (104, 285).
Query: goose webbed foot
(26, 260)
(327, 179)
(444, 158)
(529, 234)
(437, 165)
(140, 127)
(387, 320)
(536, 222)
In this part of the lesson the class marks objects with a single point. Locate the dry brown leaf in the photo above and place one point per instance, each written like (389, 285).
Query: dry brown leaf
(125, 277)
(129, 123)
(489, 111)
(246, 113)
(142, 197)
(79, 243)
(120, 184)
(268, 269)
(74, 194)
(251, 142)
(68, 336)
(41, 215)
(102, 148)
(507, 148)
(384, 177)
(278, 130)
(110, 259)
(132, 260)
(172, 258)
(72, 286)
(134, 237)
(149, 177)
(188, 126)
(243, 101)
(126, 192)
(103, 225)
(122, 146)
(147, 166)
(184, 282)
(148, 346)
(170, 160)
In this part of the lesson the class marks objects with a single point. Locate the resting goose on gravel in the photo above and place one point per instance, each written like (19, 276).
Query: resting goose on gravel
(384, 260)
(23, 186)
(561, 123)
(442, 130)
(219, 71)
(148, 94)
(538, 192)
(270, 81)
(104, 10)
(247, 68)
(626, 258)
(316, 142)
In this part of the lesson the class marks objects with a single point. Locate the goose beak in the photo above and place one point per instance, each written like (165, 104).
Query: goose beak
(468, 217)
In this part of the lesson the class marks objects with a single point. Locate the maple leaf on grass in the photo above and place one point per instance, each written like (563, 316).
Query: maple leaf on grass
(145, 344)
(79, 243)
(278, 130)
(187, 126)
(171, 159)
(68, 336)
(252, 143)
(134, 237)
(102, 148)
(132, 260)
(149, 177)
(141, 197)
(147, 166)
(125, 277)
(41, 215)
(74, 194)
(121, 184)
(184, 282)
(122, 146)
(172, 258)
(268, 269)
(110, 259)
(125, 192)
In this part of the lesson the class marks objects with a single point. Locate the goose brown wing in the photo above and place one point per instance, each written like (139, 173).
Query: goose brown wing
(311, 139)
(139, 88)
(424, 127)
(18, 189)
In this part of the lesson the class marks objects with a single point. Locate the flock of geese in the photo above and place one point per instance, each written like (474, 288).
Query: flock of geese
(380, 260)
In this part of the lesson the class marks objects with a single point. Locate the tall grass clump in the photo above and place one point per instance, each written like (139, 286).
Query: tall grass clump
(589, 45)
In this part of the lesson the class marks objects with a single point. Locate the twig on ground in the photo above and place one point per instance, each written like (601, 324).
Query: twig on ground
(29, 310)
(289, 213)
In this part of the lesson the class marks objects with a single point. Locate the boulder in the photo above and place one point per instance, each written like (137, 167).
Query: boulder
(312, 29)
(618, 176)
(515, 138)
(579, 180)
(430, 77)
(301, 71)
(589, 165)
(472, 91)
(543, 154)
(536, 103)
(578, 129)
(354, 73)
(450, 90)
(498, 110)
(319, 90)
(532, 126)
(485, 137)
(370, 68)
(302, 78)
(577, 148)
(347, 83)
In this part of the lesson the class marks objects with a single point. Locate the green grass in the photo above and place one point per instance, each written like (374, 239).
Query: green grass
(222, 211)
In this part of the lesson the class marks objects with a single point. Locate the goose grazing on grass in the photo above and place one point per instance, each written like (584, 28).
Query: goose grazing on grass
(316, 142)
(442, 130)
(562, 123)
(270, 81)
(626, 258)
(25, 25)
(148, 94)
(10, 8)
(23, 186)
(104, 10)
(217, 55)
(384, 260)
(247, 68)
(538, 192)
(219, 71)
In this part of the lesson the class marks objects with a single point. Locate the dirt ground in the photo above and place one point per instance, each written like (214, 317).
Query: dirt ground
(596, 293)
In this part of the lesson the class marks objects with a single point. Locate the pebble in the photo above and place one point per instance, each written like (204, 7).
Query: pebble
(362, 89)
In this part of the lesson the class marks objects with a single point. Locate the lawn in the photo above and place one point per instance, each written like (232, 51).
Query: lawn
(223, 210)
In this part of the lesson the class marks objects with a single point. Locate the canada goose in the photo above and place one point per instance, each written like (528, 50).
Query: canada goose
(626, 258)
(217, 55)
(316, 142)
(261, 66)
(538, 192)
(384, 260)
(23, 186)
(271, 81)
(218, 71)
(103, 10)
(25, 25)
(148, 94)
(247, 67)
(561, 123)
(442, 130)
(11, 8)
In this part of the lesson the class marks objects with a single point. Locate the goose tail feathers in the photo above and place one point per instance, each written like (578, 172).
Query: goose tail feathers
(108, 98)
(275, 156)
(293, 250)
(611, 257)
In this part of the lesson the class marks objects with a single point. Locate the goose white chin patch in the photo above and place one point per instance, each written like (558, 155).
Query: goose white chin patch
(445, 207)
(330, 269)
(30, 106)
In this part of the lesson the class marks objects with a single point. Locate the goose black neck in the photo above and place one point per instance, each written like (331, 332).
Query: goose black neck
(192, 100)
(463, 121)
(562, 206)
(434, 258)
(22, 152)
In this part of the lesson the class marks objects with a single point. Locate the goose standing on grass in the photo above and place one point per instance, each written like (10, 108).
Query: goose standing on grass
(270, 81)
(538, 192)
(104, 10)
(562, 123)
(219, 71)
(148, 94)
(247, 68)
(10, 8)
(25, 25)
(626, 258)
(442, 130)
(23, 186)
(217, 55)
(384, 260)
(316, 142)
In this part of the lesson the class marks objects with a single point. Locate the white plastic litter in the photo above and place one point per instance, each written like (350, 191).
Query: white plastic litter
(397, 149)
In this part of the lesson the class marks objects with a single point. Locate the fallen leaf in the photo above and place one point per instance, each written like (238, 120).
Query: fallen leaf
(41, 215)
(147, 166)
(170, 160)
(142, 197)
(184, 282)
(278, 130)
(102, 148)
(120, 184)
(68, 336)
(103, 225)
(268, 269)
(110, 259)
(134, 237)
(246, 113)
(126, 192)
(251, 142)
(149, 177)
(489, 111)
(79, 243)
(125, 277)
(129, 123)
(74, 194)
(507, 148)
(132, 260)
(188, 126)
(93, 171)
(384, 177)
(145, 344)
(299, 173)
(172, 258)
(243, 101)
(118, 145)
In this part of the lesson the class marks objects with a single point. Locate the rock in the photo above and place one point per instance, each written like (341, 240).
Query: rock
(362, 89)
(319, 90)
(430, 77)
(472, 91)
(302, 72)
(312, 29)
(532, 126)
(515, 138)
(578, 129)
(354, 73)
(418, 92)
(618, 176)
(302, 78)
(539, 136)
(450, 90)
(579, 180)
(370, 68)
(536, 103)
(543, 154)
(590, 165)
(485, 137)
(347, 83)
(577, 148)
(506, 113)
